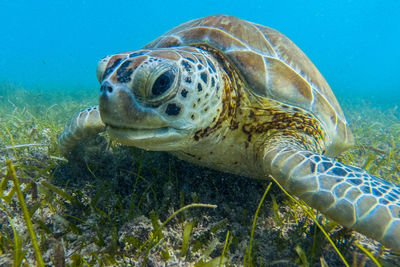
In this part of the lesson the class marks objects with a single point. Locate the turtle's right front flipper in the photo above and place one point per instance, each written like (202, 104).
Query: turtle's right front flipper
(346, 194)
(83, 125)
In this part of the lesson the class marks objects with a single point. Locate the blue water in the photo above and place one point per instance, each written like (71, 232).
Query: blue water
(55, 45)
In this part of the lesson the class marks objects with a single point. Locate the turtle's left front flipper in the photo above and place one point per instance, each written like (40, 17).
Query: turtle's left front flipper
(83, 125)
(345, 194)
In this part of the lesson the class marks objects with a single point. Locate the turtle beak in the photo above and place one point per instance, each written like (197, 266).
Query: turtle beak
(133, 124)
(119, 109)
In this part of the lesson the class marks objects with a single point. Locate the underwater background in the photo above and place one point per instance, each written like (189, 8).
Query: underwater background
(106, 204)
(55, 45)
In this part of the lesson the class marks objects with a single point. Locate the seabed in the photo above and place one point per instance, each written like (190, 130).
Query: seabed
(110, 205)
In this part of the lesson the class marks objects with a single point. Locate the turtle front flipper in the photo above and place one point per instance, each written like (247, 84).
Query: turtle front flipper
(348, 195)
(83, 125)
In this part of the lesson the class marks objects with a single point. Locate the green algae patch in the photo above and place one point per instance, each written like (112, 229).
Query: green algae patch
(106, 204)
(27, 218)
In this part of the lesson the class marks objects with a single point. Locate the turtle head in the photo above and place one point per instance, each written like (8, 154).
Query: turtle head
(159, 99)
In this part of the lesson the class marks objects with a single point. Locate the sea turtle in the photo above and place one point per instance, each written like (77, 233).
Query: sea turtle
(240, 98)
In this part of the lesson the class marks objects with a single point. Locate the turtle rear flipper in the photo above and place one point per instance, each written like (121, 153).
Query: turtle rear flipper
(348, 195)
(83, 125)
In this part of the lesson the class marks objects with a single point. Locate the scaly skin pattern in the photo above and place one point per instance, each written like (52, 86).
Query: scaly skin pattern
(346, 194)
(240, 98)
(85, 124)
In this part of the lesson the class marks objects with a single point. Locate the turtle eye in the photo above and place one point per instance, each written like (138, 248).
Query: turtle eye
(163, 83)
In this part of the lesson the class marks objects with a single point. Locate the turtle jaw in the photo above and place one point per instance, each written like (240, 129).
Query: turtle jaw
(158, 139)
(133, 124)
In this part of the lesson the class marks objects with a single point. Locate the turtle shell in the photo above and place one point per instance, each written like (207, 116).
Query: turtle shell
(272, 65)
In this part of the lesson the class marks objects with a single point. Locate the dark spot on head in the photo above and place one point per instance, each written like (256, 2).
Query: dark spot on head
(192, 117)
(194, 105)
(206, 109)
(111, 68)
(135, 54)
(217, 88)
(199, 67)
(199, 87)
(186, 65)
(123, 73)
(203, 76)
(198, 100)
(188, 79)
(173, 109)
(212, 81)
(184, 93)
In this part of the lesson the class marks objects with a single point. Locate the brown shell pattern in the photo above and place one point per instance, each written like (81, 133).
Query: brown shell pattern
(272, 65)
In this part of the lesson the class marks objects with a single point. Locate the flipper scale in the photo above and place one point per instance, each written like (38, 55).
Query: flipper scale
(348, 195)
(83, 125)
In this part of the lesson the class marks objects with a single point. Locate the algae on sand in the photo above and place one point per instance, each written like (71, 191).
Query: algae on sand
(101, 205)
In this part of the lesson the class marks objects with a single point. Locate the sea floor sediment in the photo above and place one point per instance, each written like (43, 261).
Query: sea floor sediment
(104, 204)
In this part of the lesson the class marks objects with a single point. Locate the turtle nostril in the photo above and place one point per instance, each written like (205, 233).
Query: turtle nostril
(106, 87)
